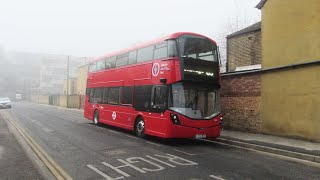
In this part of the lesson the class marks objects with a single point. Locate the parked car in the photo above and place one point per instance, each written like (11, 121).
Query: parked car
(5, 102)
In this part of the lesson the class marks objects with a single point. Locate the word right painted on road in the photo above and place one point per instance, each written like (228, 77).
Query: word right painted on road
(155, 163)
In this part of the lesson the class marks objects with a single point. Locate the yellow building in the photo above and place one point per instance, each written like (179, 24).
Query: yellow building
(290, 82)
(82, 79)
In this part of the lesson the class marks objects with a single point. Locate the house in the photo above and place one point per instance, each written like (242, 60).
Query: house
(244, 49)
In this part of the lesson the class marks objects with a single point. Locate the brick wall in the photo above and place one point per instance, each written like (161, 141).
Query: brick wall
(244, 50)
(241, 101)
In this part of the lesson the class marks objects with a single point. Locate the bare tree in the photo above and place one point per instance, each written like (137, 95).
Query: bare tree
(235, 24)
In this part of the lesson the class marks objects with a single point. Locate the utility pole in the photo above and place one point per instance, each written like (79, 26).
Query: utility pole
(68, 82)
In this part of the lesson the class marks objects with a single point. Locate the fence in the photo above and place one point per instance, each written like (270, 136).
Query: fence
(74, 101)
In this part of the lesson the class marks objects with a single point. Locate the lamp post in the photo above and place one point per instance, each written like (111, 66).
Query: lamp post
(68, 82)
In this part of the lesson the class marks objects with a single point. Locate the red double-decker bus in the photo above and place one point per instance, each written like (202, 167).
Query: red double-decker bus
(168, 87)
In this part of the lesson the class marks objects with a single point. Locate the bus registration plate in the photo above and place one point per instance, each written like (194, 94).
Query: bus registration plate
(200, 136)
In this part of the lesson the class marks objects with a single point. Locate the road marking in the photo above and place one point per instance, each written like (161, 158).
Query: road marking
(132, 137)
(55, 169)
(100, 172)
(1, 152)
(216, 177)
(113, 131)
(132, 161)
(158, 160)
(184, 152)
(153, 143)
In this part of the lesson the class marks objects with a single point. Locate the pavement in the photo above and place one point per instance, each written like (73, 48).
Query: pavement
(295, 148)
(14, 162)
(85, 151)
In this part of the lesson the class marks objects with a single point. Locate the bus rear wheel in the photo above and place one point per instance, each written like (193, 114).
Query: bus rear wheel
(96, 118)
(140, 127)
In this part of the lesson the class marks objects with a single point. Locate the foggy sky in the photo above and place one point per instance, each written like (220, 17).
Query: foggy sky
(97, 27)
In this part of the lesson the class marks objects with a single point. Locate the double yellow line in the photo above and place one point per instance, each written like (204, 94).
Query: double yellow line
(55, 169)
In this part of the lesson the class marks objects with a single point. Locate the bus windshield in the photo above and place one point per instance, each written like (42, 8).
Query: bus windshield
(193, 100)
(193, 47)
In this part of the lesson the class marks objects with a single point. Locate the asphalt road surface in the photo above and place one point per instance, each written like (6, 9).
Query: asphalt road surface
(86, 151)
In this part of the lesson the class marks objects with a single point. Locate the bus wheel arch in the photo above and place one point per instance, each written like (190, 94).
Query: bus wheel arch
(96, 117)
(139, 126)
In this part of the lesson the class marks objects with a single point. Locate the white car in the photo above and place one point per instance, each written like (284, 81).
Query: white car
(5, 102)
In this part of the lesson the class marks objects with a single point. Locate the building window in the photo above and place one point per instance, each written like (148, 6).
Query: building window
(145, 54)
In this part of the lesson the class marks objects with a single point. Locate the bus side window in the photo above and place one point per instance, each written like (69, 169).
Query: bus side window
(114, 95)
(133, 57)
(91, 97)
(127, 95)
(160, 51)
(122, 60)
(145, 54)
(172, 48)
(159, 97)
(142, 97)
(105, 95)
(98, 95)
(111, 62)
(93, 67)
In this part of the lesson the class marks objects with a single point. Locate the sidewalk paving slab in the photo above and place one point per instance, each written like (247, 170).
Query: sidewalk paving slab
(14, 162)
(287, 144)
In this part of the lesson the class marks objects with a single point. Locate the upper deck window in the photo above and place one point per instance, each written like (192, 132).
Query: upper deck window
(145, 54)
(101, 65)
(161, 51)
(111, 62)
(133, 57)
(193, 47)
(93, 67)
(122, 60)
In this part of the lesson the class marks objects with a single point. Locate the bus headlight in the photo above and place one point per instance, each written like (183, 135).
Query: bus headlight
(175, 119)
(221, 120)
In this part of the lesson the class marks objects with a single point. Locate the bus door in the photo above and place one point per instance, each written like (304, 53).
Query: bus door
(158, 105)
(89, 105)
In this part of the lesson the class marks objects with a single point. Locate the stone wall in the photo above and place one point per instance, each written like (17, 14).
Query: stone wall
(244, 50)
(241, 101)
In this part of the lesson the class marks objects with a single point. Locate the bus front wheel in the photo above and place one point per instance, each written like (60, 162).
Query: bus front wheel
(96, 118)
(140, 127)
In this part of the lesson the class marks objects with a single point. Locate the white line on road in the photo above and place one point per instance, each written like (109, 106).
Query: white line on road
(113, 131)
(216, 177)
(100, 172)
(153, 143)
(132, 137)
(184, 152)
(1, 152)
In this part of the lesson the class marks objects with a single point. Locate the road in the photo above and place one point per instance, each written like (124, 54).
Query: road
(85, 151)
